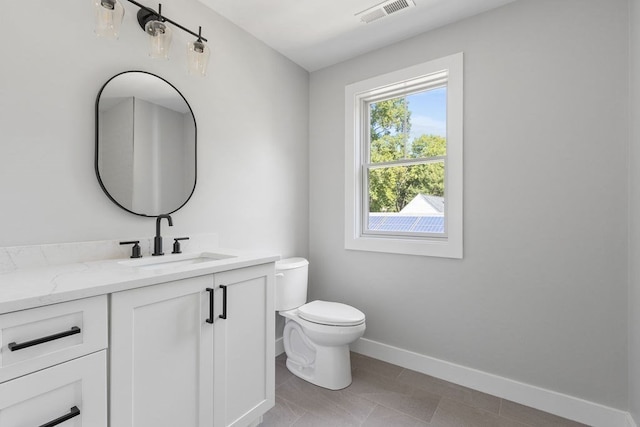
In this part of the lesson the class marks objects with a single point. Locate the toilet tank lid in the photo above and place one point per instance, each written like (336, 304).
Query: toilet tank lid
(290, 263)
(331, 313)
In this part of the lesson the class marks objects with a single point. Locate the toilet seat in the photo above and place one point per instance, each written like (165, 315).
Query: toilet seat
(331, 313)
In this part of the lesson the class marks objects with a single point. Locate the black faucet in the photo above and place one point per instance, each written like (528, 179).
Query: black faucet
(157, 241)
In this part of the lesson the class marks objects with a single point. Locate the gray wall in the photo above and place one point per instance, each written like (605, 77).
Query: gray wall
(251, 112)
(541, 294)
(634, 221)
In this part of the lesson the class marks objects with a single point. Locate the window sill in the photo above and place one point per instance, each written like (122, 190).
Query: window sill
(443, 248)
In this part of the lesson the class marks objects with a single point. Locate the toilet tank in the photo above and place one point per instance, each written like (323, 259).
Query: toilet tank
(292, 275)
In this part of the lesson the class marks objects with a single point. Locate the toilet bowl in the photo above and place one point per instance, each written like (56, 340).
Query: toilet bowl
(317, 334)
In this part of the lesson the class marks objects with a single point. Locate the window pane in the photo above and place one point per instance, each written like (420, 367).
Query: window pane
(408, 127)
(397, 223)
(392, 189)
(407, 198)
(430, 224)
(408, 224)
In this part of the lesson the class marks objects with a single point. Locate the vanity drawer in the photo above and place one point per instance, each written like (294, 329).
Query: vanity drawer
(73, 393)
(40, 337)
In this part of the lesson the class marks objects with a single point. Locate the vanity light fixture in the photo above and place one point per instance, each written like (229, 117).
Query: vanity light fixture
(159, 33)
(109, 14)
(198, 55)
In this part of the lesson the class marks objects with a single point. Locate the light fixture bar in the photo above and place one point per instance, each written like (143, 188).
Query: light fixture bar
(152, 13)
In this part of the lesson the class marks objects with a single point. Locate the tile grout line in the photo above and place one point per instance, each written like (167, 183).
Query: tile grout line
(304, 410)
(299, 418)
(407, 415)
(499, 415)
(396, 409)
(399, 374)
(369, 414)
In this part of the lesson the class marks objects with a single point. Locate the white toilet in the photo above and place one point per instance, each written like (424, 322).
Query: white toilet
(317, 334)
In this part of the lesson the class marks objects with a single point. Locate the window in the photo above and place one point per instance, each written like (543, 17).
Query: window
(404, 161)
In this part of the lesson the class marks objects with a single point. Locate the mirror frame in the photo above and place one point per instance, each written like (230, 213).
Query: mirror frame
(195, 142)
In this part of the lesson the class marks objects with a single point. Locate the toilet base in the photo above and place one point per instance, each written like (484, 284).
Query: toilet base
(331, 370)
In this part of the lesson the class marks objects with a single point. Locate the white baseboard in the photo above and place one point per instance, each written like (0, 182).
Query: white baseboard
(550, 401)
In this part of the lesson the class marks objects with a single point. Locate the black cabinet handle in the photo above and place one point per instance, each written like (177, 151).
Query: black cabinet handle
(224, 302)
(210, 319)
(74, 413)
(14, 346)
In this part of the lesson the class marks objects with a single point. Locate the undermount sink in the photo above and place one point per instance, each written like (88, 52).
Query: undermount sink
(175, 261)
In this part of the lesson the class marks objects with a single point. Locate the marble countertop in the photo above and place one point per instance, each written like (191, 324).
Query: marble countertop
(24, 288)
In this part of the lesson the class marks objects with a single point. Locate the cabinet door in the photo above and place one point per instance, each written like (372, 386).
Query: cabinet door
(73, 393)
(162, 355)
(244, 346)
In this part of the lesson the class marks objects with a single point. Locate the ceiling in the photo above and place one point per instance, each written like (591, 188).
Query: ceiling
(319, 33)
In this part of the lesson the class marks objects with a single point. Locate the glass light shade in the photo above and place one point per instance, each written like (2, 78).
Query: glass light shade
(108, 14)
(197, 57)
(159, 39)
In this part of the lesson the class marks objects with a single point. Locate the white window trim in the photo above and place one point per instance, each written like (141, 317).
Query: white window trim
(447, 247)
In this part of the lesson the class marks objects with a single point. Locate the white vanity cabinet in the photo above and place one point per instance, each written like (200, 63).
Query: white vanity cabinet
(244, 346)
(194, 352)
(53, 365)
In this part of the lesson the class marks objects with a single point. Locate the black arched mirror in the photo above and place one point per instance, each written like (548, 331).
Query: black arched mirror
(145, 144)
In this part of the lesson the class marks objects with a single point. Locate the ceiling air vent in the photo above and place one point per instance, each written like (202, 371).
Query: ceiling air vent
(384, 9)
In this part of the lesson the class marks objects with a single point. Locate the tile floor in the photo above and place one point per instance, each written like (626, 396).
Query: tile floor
(385, 395)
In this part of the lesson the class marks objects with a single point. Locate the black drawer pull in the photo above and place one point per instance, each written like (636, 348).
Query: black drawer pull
(13, 346)
(210, 319)
(74, 413)
(224, 302)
